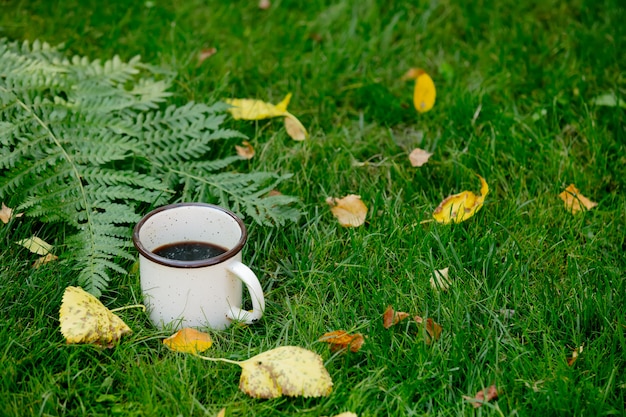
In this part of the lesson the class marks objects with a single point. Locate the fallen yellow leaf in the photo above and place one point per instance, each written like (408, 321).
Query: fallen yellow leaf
(188, 340)
(391, 317)
(252, 109)
(84, 319)
(441, 281)
(287, 370)
(424, 93)
(7, 214)
(575, 201)
(245, 150)
(419, 157)
(460, 207)
(36, 245)
(350, 211)
(295, 129)
(342, 340)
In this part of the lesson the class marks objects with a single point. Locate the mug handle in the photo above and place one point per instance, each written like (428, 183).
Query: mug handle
(248, 277)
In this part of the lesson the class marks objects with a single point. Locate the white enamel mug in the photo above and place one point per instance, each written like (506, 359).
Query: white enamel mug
(197, 293)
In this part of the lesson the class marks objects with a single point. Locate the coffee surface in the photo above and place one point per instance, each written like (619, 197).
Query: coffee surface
(189, 251)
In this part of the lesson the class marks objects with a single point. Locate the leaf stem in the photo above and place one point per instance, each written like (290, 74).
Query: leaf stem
(141, 306)
(206, 358)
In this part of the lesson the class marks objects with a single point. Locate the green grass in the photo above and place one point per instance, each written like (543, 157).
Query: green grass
(515, 84)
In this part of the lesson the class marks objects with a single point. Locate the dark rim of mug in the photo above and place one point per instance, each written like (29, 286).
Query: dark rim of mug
(189, 264)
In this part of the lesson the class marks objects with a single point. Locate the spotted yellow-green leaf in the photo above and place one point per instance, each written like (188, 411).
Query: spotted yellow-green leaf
(460, 207)
(424, 93)
(36, 245)
(84, 319)
(188, 340)
(288, 370)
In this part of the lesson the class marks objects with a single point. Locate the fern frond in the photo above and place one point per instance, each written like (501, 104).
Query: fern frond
(86, 143)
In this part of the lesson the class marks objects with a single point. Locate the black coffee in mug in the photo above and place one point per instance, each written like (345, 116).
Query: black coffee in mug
(189, 251)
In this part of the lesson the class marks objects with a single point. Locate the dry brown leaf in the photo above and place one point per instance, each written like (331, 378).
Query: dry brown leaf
(205, 54)
(188, 340)
(44, 260)
(441, 281)
(575, 354)
(433, 329)
(7, 214)
(84, 319)
(574, 201)
(350, 211)
(419, 157)
(342, 340)
(483, 396)
(245, 150)
(391, 317)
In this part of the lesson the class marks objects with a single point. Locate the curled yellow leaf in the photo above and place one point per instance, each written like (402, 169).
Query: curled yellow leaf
(574, 201)
(253, 109)
(188, 340)
(460, 207)
(424, 93)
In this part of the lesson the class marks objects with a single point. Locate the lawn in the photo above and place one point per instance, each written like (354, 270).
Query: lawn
(530, 282)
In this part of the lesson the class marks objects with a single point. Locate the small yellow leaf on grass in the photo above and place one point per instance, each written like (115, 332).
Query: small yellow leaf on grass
(342, 340)
(205, 54)
(36, 245)
(391, 317)
(424, 93)
(189, 340)
(483, 396)
(350, 211)
(7, 214)
(441, 281)
(460, 207)
(347, 414)
(245, 150)
(287, 370)
(84, 319)
(575, 201)
(221, 413)
(295, 129)
(252, 109)
(419, 157)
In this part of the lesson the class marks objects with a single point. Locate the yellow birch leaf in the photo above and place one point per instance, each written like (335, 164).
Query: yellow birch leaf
(188, 340)
(7, 214)
(84, 319)
(424, 93)
(419, 157)
(36, 245)
(294, 128)
(221, 413)
(460, 207)
(245, 150)
(350, 211)
(253, 109)
(288, 370)
(575, 202)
